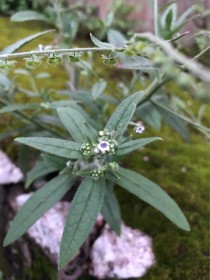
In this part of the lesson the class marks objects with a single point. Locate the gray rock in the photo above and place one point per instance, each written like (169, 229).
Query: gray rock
(9, 173)
(127, 256)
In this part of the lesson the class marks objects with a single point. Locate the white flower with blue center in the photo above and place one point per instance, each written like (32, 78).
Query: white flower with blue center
(139, 129)
(104, 147)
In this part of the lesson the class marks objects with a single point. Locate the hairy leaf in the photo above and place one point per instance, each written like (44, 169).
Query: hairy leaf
(98, 88)
(18, 107)
(119, 120)
(153, 195)
(100, 44)
(131, 146)
(74, 123)
(14, 47)
(27, 16)
(39, 203)
(111, 210)
(40, 169)
(59, 147)
(82, 215)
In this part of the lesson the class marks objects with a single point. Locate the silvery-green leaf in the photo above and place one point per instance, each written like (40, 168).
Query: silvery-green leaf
(55, 146)
(119, 120)
(18, 107)
(111, 210)
(151, 193)
(40, 169)
(14, 47)
(133, 145)
(39, 203)
(100, 44)
(27, 16)
(55, 162)
(98, 88)
(83, 212)
(74, 123)
(116, 38)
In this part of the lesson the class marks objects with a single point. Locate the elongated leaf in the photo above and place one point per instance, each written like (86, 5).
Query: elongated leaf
(14, 47)
(98, 88)
(39, 203)
(130, 146)
(40, 169)
(59, 147)
(111, 210)
(100, 44)
(92, 134)
(123, 114)
(55, 162)
(27, 16)
(116, 38)
(18, 107)
(173, 120)
(82, 215)
(153, 195)
(74, 123)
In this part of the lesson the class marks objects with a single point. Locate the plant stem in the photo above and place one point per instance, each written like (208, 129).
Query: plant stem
(195, 68)
(57, 51)
(28, 119)
(155, 15)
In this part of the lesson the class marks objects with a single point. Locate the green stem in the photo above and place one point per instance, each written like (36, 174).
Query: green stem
(28, 119)
(155, 11)
(57, 51)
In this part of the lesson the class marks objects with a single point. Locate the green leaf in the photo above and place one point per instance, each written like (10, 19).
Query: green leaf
(92, 134)
(18, 107)
(40, 169)
(100, 44)
(39, 203)
(83, 212)
(116, 38)
(27, 16)
(149, 114)
(59, 147)
(14, 47)
(111, 210)
(98, 88)
(151, 193)
(55, 162)
(131, 146)
(173, 120)
(123, 114)
(74, 123)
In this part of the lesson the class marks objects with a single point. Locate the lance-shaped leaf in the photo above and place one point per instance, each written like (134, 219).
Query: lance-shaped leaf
(19, 107)
(74, 123)
(40, 169)
(153, 195)
(59, 147)
(14, 47)
(111, 210)
(39, 202)
(27, 16)
(84, 209)
(131, 146)
(98, 88)
(119, 120)
(54, 161)
(100, 44)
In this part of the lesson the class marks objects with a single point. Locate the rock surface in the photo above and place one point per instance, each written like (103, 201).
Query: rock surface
(127, 256)
(9, 173)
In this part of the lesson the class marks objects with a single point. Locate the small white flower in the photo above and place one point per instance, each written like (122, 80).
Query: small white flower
(104, 147)
(139, 128)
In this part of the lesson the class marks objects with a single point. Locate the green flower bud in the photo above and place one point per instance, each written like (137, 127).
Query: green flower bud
(33, 62)
(7, 65)
(74, 59)
(54, 59)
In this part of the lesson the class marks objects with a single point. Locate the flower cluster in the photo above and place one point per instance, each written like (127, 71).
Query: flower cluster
(86, 150)
(97, 173)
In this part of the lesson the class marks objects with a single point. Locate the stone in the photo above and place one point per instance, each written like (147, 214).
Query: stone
(127, 256)
(9, 173)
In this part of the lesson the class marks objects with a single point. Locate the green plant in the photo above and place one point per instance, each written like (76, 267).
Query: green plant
(92, 157)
